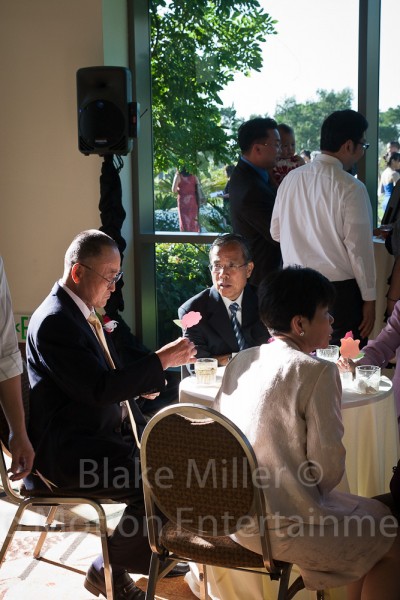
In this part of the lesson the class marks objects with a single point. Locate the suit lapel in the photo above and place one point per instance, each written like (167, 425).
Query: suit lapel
(69, 305)
(249, 306)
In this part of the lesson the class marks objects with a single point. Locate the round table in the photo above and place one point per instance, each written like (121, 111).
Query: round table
(371, 440)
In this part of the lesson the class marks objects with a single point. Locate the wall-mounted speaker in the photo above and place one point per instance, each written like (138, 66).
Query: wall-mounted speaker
(107, 118)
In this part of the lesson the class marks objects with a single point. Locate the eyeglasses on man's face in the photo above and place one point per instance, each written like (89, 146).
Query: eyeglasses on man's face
(276, 145)
(365, 145)
(110, 282)
(218, 268)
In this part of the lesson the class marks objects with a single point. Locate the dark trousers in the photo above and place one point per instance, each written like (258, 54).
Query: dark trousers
(128, 544)
(347, 311)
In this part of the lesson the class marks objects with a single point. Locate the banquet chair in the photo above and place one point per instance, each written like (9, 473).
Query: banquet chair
(53, 499)
(205, 488)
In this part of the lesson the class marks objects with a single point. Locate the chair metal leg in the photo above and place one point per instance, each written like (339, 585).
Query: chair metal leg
(320, 594)
(104, 546)
(203, 582)
(49, 520)
(297, 586)
(13, 528)
(153, 576)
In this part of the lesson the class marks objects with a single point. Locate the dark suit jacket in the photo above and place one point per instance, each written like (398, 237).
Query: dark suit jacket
(214, 335)
(251, 202)
(75, 410)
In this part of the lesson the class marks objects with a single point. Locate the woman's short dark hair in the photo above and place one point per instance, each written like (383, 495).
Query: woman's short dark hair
(292, 291)
(340, 126)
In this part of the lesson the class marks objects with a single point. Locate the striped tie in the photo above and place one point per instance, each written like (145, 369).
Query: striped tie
(234, 307)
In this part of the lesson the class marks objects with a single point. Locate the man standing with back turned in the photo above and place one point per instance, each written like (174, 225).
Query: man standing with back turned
(323, 220)
(252, 196)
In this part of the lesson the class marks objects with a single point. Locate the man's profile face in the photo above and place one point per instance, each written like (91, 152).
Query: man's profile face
(230, 281)
(91, 287)
(267, 152)
(355, 152)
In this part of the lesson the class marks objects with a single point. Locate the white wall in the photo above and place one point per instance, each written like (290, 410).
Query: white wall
(49, 191)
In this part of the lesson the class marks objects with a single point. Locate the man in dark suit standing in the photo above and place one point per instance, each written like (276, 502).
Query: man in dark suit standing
(231, 265)
(83, 441)
(252, 195)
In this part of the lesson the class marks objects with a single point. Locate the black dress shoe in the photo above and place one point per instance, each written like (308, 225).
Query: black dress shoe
(124, 586)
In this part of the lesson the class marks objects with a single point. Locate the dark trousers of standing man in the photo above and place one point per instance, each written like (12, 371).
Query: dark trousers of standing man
(347, 311)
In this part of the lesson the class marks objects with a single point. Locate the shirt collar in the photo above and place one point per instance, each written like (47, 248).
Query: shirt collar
(78, 301)
(328, 158)
(262, 172)
(238, 301)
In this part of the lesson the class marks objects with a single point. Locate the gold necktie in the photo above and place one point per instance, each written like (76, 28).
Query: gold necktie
(93, 320)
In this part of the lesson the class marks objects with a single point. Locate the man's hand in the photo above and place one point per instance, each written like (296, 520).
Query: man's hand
(368, 321)
(223, 359)
(22, 455)
(346, 364)
(150, 396)
(177, 353)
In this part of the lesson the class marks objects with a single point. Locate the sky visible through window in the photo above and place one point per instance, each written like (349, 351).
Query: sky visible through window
(316, 48)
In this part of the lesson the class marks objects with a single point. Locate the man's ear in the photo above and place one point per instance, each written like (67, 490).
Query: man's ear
(250, 267)
(349, 146)
(76, 271)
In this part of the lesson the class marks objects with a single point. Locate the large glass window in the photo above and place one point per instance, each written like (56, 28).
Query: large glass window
(215, 65)
(389, 105)
(182, 272)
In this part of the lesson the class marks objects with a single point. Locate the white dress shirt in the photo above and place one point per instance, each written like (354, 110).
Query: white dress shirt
(238, 301)
(10, 356)
(323, 219)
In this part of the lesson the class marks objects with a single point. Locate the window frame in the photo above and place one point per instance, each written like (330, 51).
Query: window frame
(144, 236)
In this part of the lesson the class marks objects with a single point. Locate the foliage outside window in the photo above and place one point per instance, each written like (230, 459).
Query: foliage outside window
(196, 48)
(181, 273)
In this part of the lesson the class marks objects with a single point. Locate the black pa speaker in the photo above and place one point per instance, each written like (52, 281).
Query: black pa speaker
(107, 118)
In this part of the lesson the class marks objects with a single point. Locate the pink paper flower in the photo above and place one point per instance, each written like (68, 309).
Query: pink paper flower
(349, 348)
(191, 318)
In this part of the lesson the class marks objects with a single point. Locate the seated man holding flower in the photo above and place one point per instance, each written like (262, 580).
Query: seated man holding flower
(228, 311)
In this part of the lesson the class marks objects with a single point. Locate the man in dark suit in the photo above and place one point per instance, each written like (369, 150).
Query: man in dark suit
(83, 443)
(252, 195)
(231, 265)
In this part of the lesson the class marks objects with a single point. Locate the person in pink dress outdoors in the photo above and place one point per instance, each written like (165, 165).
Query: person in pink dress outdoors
(184, 185)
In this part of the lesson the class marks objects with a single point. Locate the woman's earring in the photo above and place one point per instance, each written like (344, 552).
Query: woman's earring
(301, 333)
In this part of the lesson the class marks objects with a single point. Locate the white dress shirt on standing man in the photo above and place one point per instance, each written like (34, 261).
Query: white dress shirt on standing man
(323, 220)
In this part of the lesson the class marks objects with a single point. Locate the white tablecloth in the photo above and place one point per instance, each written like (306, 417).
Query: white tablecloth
(371, 440)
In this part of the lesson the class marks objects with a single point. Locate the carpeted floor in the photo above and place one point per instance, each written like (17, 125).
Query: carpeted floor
(24, 578)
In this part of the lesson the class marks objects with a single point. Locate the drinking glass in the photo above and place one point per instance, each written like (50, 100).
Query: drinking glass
(330, 353)
(368, 377)
(206, 371)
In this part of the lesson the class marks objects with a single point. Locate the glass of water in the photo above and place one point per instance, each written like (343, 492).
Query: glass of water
(330, 353)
